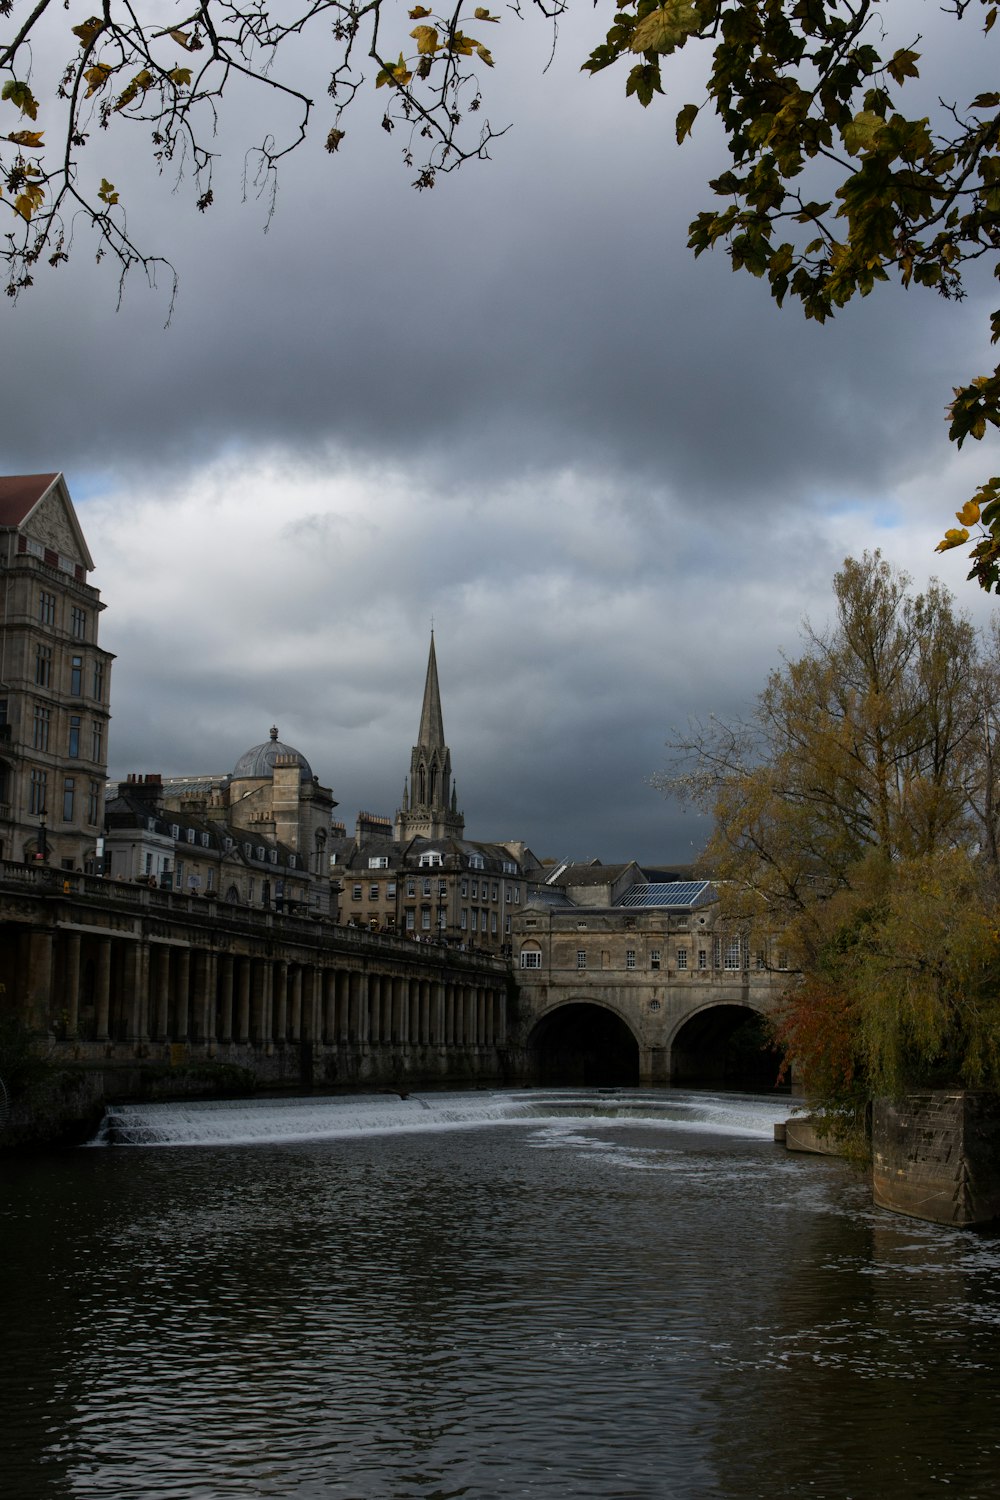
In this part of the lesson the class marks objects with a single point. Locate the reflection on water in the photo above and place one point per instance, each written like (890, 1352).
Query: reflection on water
(640, 1302)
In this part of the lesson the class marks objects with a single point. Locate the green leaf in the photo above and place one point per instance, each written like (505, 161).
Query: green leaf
(666, 28)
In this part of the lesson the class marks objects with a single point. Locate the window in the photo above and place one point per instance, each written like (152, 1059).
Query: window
(506, 894)
(411, 887)
(430, 860)
(465, 919)
(702, 958)
(465, 887)
(682, 958)
(78, 619)
(210, 878)
(425, 887)
(93, 801)
(531, 958)
(97, 742)
(425, 918)
(475, 890)
(390, 890)
(249, 882)
(654, 958)
(76, 676)
(99, 681)
(36, 805)
(476, 862)
(40, 735)
(43, 666)
(493, 891)
(782, 960)
(189, 834)
(69, 786)
(378, 862)
(409, 921)
(442, 889)
(517, 895)
(630, 958)
(761, 959)
(493, 921)
(149, 864)
(373, 891)
(204, 840)
(74, 736)
(506, 925)
(509, 867)
(732, 955)
(46, 608)
(581, 958)
(356, 893)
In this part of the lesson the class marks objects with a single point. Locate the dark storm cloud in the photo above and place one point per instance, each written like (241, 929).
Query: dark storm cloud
(616, 477)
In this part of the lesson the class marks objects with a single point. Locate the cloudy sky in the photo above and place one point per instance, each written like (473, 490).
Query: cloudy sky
(614, 478)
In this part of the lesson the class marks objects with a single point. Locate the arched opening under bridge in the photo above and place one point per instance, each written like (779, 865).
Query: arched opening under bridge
(583, 1044)
(726, 1046)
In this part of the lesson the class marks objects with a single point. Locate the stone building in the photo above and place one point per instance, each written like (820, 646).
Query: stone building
(257, 837)
(54, 679)
(626, 979)
(418, 875)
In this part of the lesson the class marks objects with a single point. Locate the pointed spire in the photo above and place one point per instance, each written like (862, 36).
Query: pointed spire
(431, 732)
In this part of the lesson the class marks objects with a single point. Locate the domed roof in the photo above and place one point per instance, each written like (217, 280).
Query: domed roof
(259, 760)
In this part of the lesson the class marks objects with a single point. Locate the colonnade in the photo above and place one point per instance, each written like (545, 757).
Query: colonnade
(115, 989)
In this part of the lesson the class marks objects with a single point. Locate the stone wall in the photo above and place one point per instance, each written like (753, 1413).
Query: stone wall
(936, 1156)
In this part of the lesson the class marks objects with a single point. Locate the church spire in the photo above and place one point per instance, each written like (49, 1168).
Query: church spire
(431, 732)
(430, 807)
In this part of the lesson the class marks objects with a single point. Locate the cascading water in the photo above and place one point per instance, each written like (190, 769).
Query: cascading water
(269, 1121)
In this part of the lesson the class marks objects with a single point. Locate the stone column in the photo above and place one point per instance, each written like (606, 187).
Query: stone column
(38, 997)
(437, 1029)
(374, 1006)
(208, 1024)
(226, 997)
(182, 993)
(267, 1006)
(161, 993)
(139, 980)
(243, 1001)
(102, 988)
(449, 1015)
(297, 1003)
(71, 988)
(330, 1007)
(281, 1000)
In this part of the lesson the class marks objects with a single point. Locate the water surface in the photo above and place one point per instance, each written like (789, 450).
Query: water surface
(609, 1295)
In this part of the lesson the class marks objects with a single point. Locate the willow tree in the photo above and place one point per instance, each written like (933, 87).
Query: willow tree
(849, 166)
(856, 804)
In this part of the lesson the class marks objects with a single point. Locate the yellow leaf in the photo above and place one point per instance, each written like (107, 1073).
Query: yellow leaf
(181, 76)
(952, 538)
(483, 54)
(418, 13)
(88, 31)
(426, 38)
(666, 28)
(482, 14)
(30, 200)
(181, 38)
(97, 77)
(106, 192)
(21, 96)
(969, 514)
(26, 137)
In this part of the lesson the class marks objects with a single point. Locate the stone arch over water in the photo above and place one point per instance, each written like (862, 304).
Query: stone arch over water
(585, 1044)
(724, 1046)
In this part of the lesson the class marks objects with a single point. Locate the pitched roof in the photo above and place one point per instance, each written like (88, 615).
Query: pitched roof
(20, 493)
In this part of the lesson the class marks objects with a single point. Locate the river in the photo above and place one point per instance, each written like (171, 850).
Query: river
(617, 1295)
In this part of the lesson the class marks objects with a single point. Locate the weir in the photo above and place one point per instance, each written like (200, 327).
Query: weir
(267, 1122)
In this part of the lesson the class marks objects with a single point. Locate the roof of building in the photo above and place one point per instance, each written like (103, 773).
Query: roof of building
(259, 760)
(20, 493)
(685, 893)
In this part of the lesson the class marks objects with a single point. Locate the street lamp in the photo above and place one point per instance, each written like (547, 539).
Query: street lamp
(43, 847)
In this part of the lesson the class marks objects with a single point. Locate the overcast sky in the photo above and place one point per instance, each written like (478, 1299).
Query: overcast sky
(616, 479)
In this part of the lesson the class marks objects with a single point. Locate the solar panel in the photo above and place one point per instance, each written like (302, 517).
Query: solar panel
(666, 893)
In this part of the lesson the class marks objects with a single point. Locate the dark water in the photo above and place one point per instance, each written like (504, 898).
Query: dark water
(531, 1305)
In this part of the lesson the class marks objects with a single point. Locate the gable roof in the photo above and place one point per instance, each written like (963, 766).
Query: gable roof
(20, 493)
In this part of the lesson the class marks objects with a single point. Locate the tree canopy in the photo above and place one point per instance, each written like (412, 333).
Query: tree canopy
(848, 167)
(856, 818)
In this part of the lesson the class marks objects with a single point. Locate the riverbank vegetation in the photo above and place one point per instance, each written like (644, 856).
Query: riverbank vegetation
(857, 819)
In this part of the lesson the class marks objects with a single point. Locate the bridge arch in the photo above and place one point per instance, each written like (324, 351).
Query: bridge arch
(724, 1044)
(583, 1042)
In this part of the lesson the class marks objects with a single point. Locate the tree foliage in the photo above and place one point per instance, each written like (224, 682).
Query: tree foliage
(856, 817)
(847, 167)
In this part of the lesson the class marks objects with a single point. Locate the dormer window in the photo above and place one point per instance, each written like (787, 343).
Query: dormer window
(476, 862)
(378, 862)
(204, 841)
(274, 856)
(431, 860)
(260, 851)
(190, 835)
(175, 830)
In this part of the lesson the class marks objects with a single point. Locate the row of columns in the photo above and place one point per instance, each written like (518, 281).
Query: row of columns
(149, 991)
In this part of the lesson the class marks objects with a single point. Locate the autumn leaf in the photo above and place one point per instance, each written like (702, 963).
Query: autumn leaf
(334, 139)
(182, 77)
(969, 514)
(952, 538)
(426, 38)
(666, 28)
(106, 192)
(88, 31)
(97, 77)
(482, 14)
(140, 83)
(20, 95)
(418, 13)
(29, 200)
(30, 138)
(397, 73)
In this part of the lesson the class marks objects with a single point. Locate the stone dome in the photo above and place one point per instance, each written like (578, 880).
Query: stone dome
(259, 760)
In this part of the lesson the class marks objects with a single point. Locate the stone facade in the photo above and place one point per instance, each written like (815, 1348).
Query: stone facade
(657, 956)
(54, 679)
(936, 1155)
